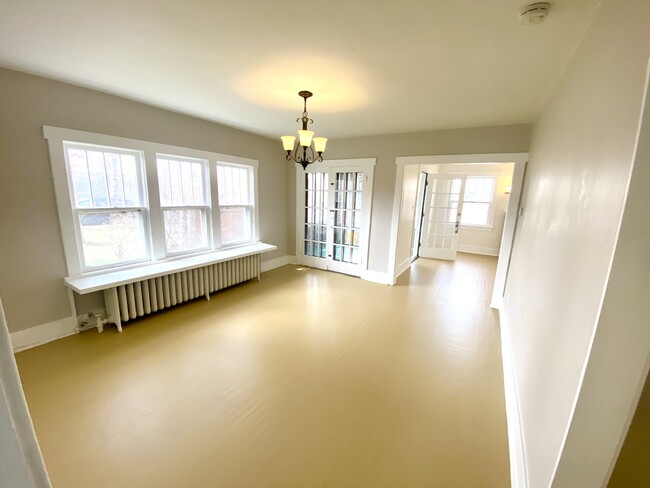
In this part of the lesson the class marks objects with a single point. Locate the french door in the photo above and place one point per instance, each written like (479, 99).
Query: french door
(443, 208)
(334, 217)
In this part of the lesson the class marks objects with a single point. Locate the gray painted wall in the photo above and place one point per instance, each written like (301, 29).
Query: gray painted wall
(32, 262)
(386, 148)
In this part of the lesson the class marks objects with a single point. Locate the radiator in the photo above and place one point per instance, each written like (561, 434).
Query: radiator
(128, 301)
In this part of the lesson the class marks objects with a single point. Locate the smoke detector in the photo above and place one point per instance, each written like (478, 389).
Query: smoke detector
(535, 13)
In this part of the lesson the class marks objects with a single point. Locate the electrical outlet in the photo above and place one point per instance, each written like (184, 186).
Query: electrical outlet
(89, 320)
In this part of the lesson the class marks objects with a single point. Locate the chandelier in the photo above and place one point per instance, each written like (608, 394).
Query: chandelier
(299, 154)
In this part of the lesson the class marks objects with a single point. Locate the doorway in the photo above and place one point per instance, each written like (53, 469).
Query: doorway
(406, 165)
(333, 202)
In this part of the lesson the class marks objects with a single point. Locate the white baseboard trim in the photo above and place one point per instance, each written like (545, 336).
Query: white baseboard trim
(403, 266)
(44, 333)
(376, 277)
(489, 251)
(516, 444)
(277, 262)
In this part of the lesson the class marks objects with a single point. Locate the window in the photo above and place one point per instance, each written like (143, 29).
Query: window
(183, 203)
(123, 203)
(235, 202)
(477, 201)
(107, 204)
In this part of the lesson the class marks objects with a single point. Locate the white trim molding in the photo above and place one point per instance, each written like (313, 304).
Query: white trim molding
(277, 263)
(376, 277)
(487, 251)
(516, 444)
(403, 266)
(21, 463)
(44, 333)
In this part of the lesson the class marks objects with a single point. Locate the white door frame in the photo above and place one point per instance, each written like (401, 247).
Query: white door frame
(367, 166)
(519, 159)
(419, 215)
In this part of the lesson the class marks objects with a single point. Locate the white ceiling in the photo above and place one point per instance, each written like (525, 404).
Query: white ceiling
(375, 67)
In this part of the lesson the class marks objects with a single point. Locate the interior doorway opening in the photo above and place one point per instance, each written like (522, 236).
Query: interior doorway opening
(463, 208)
(470, 204)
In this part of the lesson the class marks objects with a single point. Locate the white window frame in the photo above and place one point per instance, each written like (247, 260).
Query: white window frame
(77, 211)
(56, 136)
(252, 207)
(207, 207)
(493, 203)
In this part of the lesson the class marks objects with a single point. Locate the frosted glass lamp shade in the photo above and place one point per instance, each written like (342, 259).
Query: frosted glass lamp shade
(319, 144)
(287, 142)
(305, 137)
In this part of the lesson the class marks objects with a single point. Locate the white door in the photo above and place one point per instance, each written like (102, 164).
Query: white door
(334, 226)
(442, 211)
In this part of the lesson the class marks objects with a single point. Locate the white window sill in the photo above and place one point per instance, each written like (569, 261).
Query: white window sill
(484, 228)
(110, 279)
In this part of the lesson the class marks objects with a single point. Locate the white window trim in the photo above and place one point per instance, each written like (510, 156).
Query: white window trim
(207, 207)
(56, 136)
(253, 206)
(489, 226)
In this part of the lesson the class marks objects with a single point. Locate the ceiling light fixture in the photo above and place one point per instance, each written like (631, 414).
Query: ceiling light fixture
(305, 140)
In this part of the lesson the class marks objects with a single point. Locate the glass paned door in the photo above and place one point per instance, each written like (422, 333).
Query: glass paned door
(316, 218)
(347, 221)
(334, 218)
(442, 212)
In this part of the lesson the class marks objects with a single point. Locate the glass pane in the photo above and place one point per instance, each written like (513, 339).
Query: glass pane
(98, 178)
(106, 179)
(112, 238)
(235, 225)
(80, 181)
(346, 254)
(234, 184)
(130, 180)
(185, 230)
(323, 250)
(359, 181)
(114, 179)
(180, 182)
(475, 213)
(338, 253)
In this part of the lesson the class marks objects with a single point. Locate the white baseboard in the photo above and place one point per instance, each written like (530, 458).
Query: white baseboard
(489, 251)
(376, 277)
(517, 446)
(403, 266)
(277, 262)
(44, 333)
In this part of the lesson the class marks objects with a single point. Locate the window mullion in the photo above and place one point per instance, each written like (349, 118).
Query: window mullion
(214, 200)
(155, 220)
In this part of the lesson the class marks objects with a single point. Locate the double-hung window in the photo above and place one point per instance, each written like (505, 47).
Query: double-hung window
(124, 203)
(183, 201)
(478, 208)
(235, 183)
(108, 205)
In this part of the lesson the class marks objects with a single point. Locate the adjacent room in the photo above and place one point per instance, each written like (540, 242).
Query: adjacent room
(380, 245)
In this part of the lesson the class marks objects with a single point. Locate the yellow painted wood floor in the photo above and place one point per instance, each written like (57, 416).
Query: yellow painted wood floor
(306, 379)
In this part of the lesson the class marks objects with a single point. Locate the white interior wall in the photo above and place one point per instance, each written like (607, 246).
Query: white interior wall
(407, 217)
(21, 462)
(581, 155)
